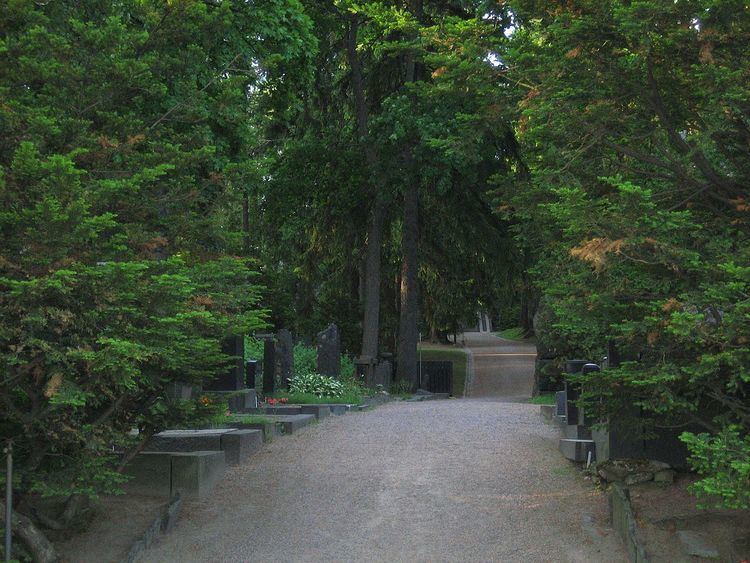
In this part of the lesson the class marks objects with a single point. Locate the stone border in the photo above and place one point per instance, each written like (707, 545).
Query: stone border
(163, 524)
(624, 523)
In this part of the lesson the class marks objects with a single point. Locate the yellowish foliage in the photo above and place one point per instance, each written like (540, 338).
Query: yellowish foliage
(595, 250)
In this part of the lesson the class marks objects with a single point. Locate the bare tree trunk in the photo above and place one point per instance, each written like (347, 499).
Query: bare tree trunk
(246, 224)
(408, 334)
(371, 293)
(408, 318)
(37, 543)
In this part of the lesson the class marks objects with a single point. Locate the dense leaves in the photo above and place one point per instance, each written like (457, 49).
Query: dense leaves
(634, 123)
(126, 138)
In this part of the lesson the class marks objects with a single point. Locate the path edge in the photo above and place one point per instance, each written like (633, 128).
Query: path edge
(624, 523)
(161, 525)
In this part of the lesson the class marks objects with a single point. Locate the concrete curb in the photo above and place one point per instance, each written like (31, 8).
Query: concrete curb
(163, 524)
(624, 523)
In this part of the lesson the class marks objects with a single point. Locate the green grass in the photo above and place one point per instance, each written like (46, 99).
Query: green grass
(546, 399)
(514, 333)
(350, 397)
(457, 356)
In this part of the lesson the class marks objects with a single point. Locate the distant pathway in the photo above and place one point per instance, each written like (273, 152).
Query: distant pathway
(456, 480)
(503, 369)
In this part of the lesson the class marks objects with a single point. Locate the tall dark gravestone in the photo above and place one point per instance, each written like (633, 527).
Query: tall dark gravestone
(284, 357)
(329, 351)
(233, 379)
(269, 366)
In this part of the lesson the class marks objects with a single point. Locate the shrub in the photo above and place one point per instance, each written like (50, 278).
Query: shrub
(316, 384)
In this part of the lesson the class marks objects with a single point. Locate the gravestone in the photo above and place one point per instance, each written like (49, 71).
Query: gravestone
(233, 379)
(573, 390)
(365, 370)
(284, 357)
(383, 375)
(329, 351)
(269, 366)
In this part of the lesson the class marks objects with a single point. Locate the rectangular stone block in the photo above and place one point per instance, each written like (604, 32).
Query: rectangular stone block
(285, 410)
(194, 474)
(150, 474)
(289, 424)
(318, 410)
(268, 429)
(577, 450)
(560, 400)
(237, 401)
(187, 440)
(238, 445)
(576, 432)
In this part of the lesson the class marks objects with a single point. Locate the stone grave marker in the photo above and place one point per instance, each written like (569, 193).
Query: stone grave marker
(284, 357)
(233, 379)
(269, 365)
(383, 375)
(329, 351)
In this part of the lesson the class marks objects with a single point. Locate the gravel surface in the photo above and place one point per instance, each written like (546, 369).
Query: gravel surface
(455, 480)
(503, 369)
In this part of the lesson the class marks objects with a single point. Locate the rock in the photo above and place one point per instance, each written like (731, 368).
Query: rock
(696, 544)
(665, 476)
(637, 478)
(655, 466)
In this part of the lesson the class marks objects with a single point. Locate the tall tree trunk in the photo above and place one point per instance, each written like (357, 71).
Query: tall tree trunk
(408, 334)
(371, 293)
(408, 318)
(246, 223)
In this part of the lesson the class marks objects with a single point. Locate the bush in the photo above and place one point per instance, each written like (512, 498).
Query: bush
(316, 384)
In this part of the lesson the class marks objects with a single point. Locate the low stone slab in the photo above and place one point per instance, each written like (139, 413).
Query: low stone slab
(577, 450)
(150, 473)
(291, 423)
(187, 440)
(283, 409)
(194, 474)
(237, 444)
(319, 411)
(240, 444)
(268, 429)
(576, 432)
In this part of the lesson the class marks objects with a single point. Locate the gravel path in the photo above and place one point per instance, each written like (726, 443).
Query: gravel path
(456, 480)
(503, 369)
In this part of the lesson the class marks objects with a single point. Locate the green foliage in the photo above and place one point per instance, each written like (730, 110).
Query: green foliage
(635, 211)
(126, 134)
(316, 384)
(724, 462)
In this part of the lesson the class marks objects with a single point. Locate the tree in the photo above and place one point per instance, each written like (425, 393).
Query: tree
(633, 118)
(126, 138)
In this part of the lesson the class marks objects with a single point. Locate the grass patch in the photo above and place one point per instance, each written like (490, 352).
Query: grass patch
(544, 399)
(350, 397)
(455, 355)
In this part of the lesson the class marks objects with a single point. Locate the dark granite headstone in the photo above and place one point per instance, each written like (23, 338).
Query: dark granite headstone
(383, 375)
(329, 351)
(233, 379)
(365, 370)
(284, 357)
(251, 370)
(269, 366)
